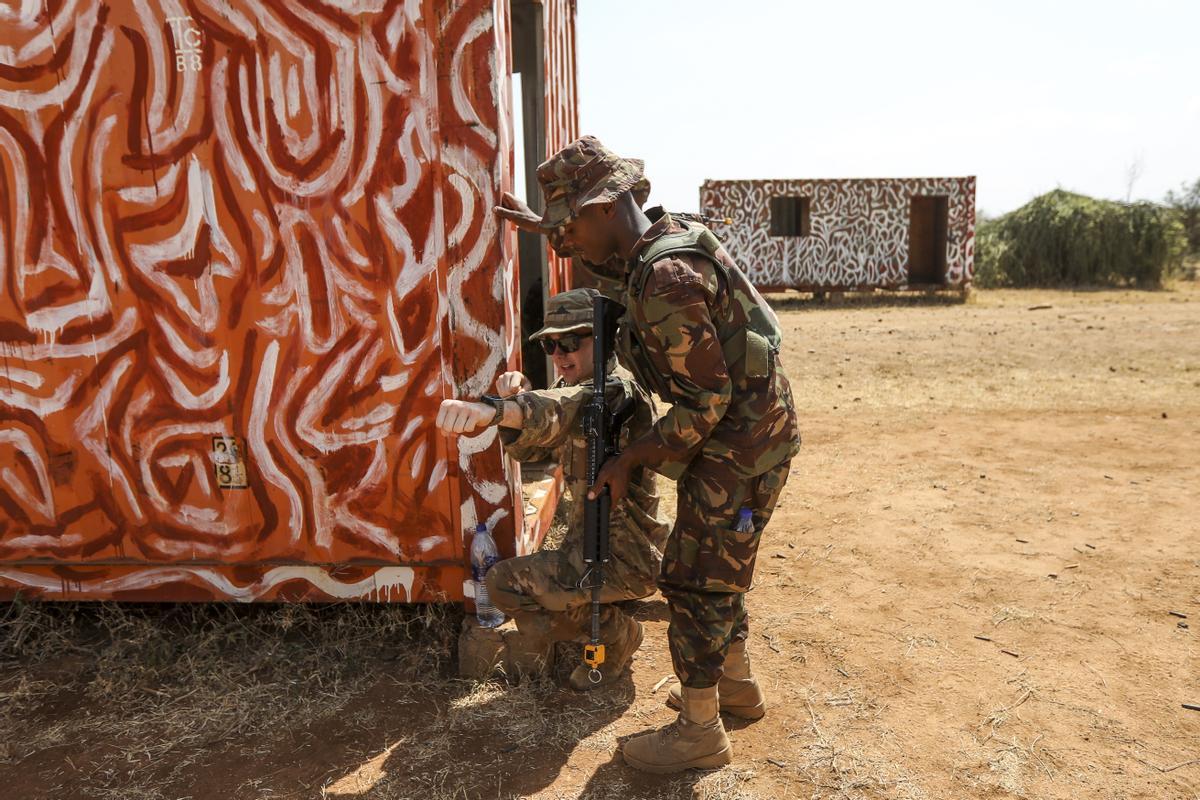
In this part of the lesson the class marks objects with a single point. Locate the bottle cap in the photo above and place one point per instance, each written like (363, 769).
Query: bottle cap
(481, 528)
(745, 513)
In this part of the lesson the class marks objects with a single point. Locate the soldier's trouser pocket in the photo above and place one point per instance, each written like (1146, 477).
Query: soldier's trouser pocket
(705, 552)
(725, 561)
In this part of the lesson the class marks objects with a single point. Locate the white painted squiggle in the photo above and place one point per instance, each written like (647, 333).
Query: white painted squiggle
(258, 443)
(382, 585)
(43, 502)
(32, 100)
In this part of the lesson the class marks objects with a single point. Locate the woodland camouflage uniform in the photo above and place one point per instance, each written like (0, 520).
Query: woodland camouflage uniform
(699, 335)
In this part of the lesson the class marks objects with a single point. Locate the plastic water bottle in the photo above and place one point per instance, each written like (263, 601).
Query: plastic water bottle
(745, 521)
(483, 555)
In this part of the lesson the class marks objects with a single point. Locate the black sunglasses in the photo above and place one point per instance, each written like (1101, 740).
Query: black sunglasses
(568, 343)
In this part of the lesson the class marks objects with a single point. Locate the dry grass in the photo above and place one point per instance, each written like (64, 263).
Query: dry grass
(839, 769)
(129, 702)
(558, 525)
(730, 783)
(142, 694)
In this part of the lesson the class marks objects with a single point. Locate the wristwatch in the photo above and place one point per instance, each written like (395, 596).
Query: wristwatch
(497, 403)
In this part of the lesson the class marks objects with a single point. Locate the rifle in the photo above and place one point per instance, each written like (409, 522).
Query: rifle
(701, 217)
(603, 430)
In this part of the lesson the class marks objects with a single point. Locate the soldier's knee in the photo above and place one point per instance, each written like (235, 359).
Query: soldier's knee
(500, 586)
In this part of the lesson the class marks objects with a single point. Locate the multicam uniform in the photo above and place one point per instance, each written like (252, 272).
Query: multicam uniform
(542, 591)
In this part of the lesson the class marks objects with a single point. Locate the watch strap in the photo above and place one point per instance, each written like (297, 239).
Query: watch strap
(497, 403)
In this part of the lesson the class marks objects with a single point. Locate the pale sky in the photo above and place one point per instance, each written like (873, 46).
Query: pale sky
(1028, 96)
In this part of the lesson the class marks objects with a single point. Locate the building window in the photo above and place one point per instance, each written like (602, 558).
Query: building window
(789, 216)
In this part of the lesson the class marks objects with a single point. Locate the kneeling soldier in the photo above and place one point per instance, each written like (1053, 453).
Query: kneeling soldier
(545, 592)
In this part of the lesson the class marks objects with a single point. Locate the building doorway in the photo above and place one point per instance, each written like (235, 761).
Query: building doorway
(928, 222)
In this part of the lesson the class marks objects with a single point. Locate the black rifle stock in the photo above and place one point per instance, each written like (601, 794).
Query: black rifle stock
(602, 427)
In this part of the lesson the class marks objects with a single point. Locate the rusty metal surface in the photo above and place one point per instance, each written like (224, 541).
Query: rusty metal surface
(858, 230)
(245, 250)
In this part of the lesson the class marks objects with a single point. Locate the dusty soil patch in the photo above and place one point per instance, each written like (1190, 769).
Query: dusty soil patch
(966, 592)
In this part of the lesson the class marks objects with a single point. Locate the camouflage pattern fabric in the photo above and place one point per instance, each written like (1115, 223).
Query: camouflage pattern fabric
(730, 431)
(679, 310)
(708, 565)
(729, 435)
(582, 173)
(567, 312)
(542, 591)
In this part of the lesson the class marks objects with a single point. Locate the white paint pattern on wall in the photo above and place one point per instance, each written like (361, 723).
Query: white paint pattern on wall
(858, 230)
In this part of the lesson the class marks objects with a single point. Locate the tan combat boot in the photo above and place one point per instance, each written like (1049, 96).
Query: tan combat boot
(695, 740)
(739, 692)
(618, 653)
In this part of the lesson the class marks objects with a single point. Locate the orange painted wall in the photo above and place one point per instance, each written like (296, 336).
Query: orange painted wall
(246, 249)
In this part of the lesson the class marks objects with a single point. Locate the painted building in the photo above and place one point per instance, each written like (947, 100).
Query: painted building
(246, 248)
(816, 235)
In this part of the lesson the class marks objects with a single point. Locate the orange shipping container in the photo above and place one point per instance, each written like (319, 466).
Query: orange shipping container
(246, 248)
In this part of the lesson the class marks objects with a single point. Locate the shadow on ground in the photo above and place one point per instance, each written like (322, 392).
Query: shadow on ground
(224, 701)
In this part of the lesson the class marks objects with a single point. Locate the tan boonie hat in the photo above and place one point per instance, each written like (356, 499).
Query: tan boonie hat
(586, 172)
(568, 312)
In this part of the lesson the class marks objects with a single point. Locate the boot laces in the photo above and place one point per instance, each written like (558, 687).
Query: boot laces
(672, 728)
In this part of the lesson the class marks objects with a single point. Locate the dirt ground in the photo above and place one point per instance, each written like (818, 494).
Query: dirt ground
(975, 587)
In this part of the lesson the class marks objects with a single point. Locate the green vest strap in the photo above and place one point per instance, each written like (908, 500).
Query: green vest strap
(752, 345)
(695, 239)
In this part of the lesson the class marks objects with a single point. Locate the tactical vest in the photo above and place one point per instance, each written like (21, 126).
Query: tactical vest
(749, 351)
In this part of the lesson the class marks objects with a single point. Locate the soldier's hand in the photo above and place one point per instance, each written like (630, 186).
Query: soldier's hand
(463, 416)
(515, 211)
(615, 475)
(511, 383)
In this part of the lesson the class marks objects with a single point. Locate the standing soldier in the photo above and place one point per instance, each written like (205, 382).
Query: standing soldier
(544, 592)
(699, 335)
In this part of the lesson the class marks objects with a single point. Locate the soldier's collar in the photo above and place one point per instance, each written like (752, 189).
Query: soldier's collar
(657, 228)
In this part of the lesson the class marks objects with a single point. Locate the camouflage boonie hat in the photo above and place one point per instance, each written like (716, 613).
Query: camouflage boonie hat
(567, 312)
(586, 172)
